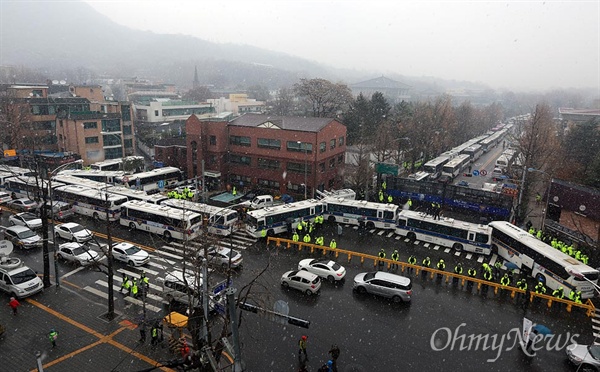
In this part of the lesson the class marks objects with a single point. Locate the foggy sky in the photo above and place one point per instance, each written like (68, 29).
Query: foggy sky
(512, 44)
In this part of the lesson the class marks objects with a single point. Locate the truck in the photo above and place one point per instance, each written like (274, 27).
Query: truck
(263, 201)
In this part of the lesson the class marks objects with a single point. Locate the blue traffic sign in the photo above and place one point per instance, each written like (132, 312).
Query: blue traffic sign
(475, 173)
(161, 184)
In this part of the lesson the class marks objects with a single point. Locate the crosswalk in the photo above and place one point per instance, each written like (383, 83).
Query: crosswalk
(165, 258)
(596, 327)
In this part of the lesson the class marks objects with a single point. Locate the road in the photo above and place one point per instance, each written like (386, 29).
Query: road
(372, 333)
(485, 163)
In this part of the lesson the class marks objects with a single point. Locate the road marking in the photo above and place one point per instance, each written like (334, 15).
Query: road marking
(398, 237)
(426, 245)
(493, 260)
(417, 242)
(97, 292)
(170, 255)
(73, 272)
(436, 248)
(390, 234)
(446, 250)
(469, 256)
(457, 253)
(480, 259)
(380, 233)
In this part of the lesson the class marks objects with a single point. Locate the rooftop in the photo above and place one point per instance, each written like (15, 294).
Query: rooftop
(282, 122)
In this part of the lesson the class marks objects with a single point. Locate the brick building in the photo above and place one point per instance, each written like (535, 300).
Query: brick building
(280, 154)
(171, 152)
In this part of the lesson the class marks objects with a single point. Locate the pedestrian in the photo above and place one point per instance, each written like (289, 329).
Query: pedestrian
(154, 335)
(339, 230)
(14, 304)
(458, 269)
(333, 246)
(538, 198)
(124, 281)
(302, 347)
(185, 349)
(382, 257)
(144, 281)
(142, 333)
(134, 288)
(335, 354)
(53, 335)
(395, 258)
(128, 285)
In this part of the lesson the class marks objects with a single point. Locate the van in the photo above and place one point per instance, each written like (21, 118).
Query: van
(497, 172)
(396, 287)
(20, 282)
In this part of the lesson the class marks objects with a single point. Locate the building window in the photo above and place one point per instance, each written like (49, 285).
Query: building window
(332, 144)
(126, 112)
(239, 141)
(321, 167)
(60, 122)
(111, 140)
(239, 159)
(126, 129)
(241, 180)
(90, 125)
(299, 147)
(268, 163)
(332, 163)
(269, 143)
(268, 184)
(194, 151)
(298, 167)
(341, 159)
(43, 125)
(155, 112)
(113, 153)
(341, 141)
(322, 147)
(91, 139)
(111, 125)
(213, 140)
(128, 143)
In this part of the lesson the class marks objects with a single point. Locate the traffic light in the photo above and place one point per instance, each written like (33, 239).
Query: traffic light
(298, 322)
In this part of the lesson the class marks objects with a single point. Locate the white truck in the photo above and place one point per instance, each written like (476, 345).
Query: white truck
(262, 201)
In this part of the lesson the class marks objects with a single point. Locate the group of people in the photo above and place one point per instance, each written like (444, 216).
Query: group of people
(156, 333)
(560, 245)
(185, 194)
(329, 366)
(132, 286)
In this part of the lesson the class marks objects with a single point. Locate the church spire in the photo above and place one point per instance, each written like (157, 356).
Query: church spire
(196, 81)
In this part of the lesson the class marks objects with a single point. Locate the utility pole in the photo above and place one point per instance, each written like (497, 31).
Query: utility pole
(110, 315)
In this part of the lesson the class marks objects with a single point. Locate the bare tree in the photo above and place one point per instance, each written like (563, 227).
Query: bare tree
(283, 104)
(15, 119)
(323, 98)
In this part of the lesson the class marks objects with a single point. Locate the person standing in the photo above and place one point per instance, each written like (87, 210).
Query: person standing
(333, 246)
(53, 336)
(335, 354)
(381, 256)
(142, 333)
(154, 335)
(124, 283)
(395, 258)
(134, 288)
(413, 261)
(14, 304)
(339, 230)
(302, 347)
(144, 281)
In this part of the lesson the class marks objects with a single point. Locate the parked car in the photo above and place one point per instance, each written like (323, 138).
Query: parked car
(20, 282)
(444, 179)
(23, 205)
(62, 211)
(587, 357)
(324, 268)
(219, 256)
(22, 237)
(4, 197)
(73, 232)
(78, 253)
(301, 280)
(130, 254)
(396, 287)
(462, 183)
(26, 219)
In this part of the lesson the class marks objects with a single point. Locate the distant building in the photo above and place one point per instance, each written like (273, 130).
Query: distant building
(239, 104)
(168, 110)
(570, 115)
(280, 154)
(394, 91)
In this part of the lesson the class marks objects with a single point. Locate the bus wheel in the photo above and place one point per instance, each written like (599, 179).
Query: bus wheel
(331, 219)
(494, 249)
(270, 232)
(167, 235)
(458, 247)
(540, 278)
(370, 225)
(132, 226)
(411, 236)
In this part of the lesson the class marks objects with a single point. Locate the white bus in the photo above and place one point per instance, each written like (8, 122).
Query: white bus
(220, 221)
(274, 220)
(17, 171)
(446, 232)
(474, 152)
(4, 176)
(375, 215)
(72, 180)
(434, 166)
(506, 159)
(115, 164)
(106, 177)
(153, 180)
(419, 176)
(90, 202)
(541, 261)
(161, 220)
(138, 195)
(455, 166)
(26, 187)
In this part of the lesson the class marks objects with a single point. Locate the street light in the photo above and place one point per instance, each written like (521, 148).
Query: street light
(305, 167)
(548, 189)
(50, 175)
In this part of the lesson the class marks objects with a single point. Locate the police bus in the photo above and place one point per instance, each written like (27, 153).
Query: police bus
(274, 220)
(162, 220)
(116, 164)
(26, 187)
(447, 232)
(106, 177)
(90, 202)
(153, 180)
(434, 166)
(454, 167)
(374, 215)
(220, 221)
(474, 151)
(546, 264)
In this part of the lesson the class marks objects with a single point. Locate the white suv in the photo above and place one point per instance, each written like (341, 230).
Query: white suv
(20, 282)
(396, 287)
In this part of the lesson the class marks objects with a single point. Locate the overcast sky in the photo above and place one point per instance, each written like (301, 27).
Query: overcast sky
(506, 44)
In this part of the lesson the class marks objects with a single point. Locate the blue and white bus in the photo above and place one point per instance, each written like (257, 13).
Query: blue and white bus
(434, 167)
(161, 220)
(446, 232)
(374, 215)
(90, 202)
(274, 220)
(26, 187)
(455, 166)
(220, 221)
(152, 180)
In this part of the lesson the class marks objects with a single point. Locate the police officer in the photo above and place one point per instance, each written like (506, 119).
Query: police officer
(390, 199)
(458, 269)
(559, 293)
(333, 246)
(427, 262)
(295, 237)
(540, 288)
(578, 297)
(487, 275)
(573, 295)
(306, 238)
(134, 288)
(124, 283)
(395, 258)
(505, 280)
(299, 227)
(409, 203)
(441, 265)
(382, 256)
(413, 261)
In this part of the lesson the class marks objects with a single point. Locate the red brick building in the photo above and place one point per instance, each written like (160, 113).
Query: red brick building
(280, 154)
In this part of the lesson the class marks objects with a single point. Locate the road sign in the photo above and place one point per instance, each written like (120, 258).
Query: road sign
(483, 172)
(385, 168)
(125, 179)
(161, 184)
(475, 173)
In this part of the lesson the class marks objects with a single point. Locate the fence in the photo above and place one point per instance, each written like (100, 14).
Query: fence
(588, 306)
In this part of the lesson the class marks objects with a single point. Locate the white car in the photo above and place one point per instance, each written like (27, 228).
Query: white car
(301, 280)
(78, 253)
(23, 205)
(73, 232)
(219, 256)
(25, 219)
(130, 254)
(324, 268)
(4, 197)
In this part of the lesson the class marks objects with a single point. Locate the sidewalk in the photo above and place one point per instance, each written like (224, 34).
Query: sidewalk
(85, 341)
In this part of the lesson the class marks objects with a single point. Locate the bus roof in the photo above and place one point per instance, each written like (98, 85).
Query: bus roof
(362, 204)
(445, 221)
(285, 208)
(437, 161)
(91, 192)
(160, 209)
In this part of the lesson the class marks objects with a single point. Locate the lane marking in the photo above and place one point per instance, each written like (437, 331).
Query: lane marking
(73, 272)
